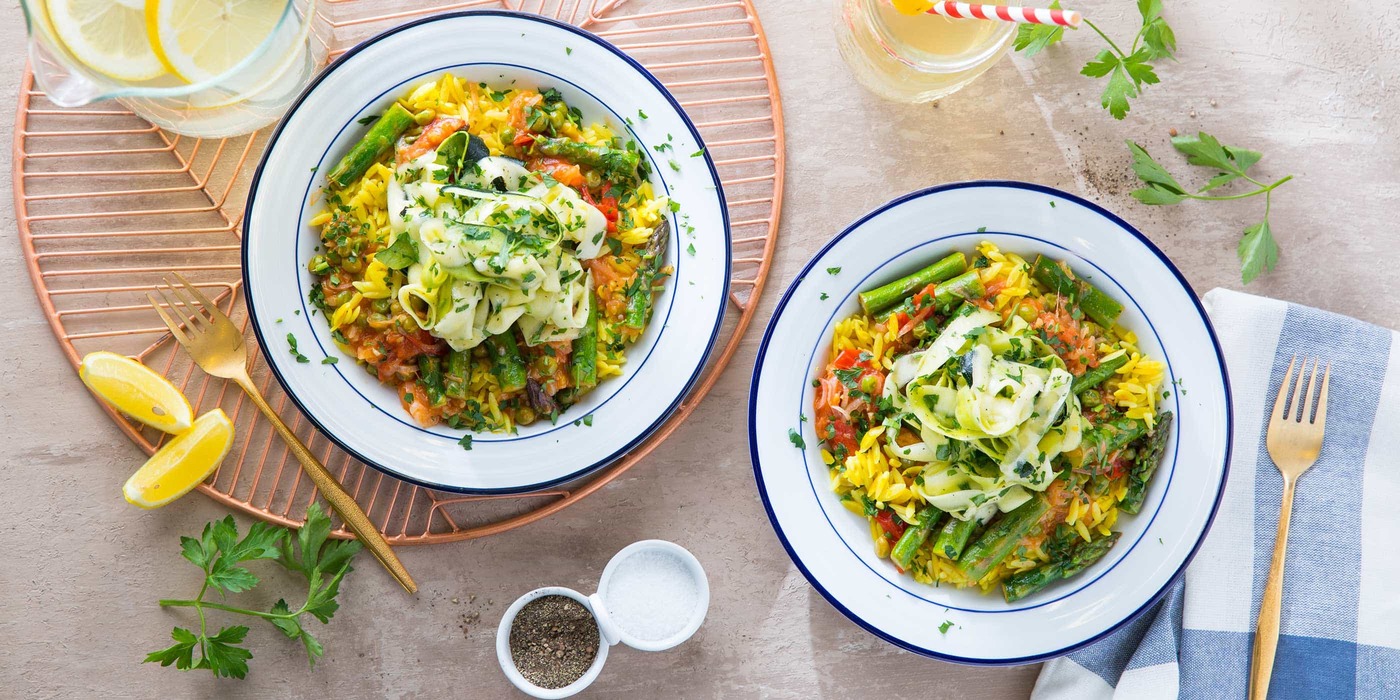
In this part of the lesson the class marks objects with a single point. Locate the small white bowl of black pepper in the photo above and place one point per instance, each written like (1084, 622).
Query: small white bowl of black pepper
(553, 641)
(549, 644)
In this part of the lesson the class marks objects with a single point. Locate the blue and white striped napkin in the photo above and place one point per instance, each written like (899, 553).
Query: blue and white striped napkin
(1341, 599)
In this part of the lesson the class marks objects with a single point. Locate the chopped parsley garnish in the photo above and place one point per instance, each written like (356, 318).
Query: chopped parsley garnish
(368, 120)
(825, 296)
(466, 442)
(833, 270)
(698, 153)
(796, 439)
(674, 165)
(292, 343)
(690, 249)
(641, 114)
(329, 360)
(569, 50)
(947, 625)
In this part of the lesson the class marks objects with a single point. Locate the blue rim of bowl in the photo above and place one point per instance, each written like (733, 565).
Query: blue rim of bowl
(685, 118)
(758, 371)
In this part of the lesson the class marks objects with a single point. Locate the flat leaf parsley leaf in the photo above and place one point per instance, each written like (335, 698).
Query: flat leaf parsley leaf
(1258, 251)
(219, 552)
(1127, 71)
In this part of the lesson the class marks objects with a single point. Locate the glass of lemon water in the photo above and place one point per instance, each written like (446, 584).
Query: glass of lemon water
(208, 68)
(905, 55)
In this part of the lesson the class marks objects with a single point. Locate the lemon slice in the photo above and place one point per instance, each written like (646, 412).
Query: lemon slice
(182, 463)
(108, 37)
(201, 39)
(136, 390)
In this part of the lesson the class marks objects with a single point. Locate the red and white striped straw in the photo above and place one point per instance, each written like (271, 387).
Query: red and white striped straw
(1021, 15)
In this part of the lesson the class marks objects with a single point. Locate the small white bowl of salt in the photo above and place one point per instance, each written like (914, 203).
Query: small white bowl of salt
(652, 596)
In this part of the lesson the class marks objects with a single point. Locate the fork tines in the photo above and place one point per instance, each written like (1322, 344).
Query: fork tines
(189, 304)
(1297, 403)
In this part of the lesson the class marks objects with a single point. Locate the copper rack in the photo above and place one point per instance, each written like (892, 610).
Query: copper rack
(106, 203)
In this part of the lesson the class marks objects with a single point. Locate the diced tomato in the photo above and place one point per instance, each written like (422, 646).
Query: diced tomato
(893, 527)
(924, 297)
(843, 434)
(524, 138)
(606, 204)
(847, 359)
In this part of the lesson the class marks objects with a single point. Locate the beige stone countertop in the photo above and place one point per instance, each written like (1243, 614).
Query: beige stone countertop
(1308, 84)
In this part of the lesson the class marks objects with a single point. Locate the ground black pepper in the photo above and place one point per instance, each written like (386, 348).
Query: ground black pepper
(553, 641)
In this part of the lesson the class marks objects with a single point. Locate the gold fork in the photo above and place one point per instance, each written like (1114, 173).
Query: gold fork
(217, 347)
(1294, 440)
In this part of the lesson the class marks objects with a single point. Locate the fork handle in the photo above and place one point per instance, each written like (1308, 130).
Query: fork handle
(1271, 605)
(340, 500)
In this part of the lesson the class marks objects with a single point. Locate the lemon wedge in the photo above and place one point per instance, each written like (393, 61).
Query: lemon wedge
(201, 39)
(136, 390)
(913, 7)
(182, 463)
(108, 37)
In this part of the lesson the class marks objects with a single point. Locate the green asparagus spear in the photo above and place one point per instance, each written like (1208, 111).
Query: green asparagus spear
(880, 298)
(961, 288)
(1149, 457)
(507, 364)
(375, 143)
(430, 376)
(1097, 375)
(953, 537)
(583, 362)
(1108, 436)
(914, 537)
(639, 291)
(1059, 279)
(1001, 538)
(1075, 559)
(615, 163)
(455, 378)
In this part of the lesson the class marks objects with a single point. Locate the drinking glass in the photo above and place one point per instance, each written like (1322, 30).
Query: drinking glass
(916, 58)
(251, 94)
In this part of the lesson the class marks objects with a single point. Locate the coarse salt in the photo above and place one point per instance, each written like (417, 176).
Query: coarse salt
(651, 595)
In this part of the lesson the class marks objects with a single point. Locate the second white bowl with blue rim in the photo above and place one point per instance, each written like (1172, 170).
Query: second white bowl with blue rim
(832, 546)
(499, 48)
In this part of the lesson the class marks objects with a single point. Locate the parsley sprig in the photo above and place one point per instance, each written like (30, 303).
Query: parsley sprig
(1258, 251)
(220, 553)
(1127, 71)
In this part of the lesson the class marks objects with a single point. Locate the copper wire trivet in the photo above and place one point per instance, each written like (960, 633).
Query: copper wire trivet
(107, 203)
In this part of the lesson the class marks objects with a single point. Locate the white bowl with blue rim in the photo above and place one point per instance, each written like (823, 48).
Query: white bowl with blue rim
(832, 546)
(499, 48)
